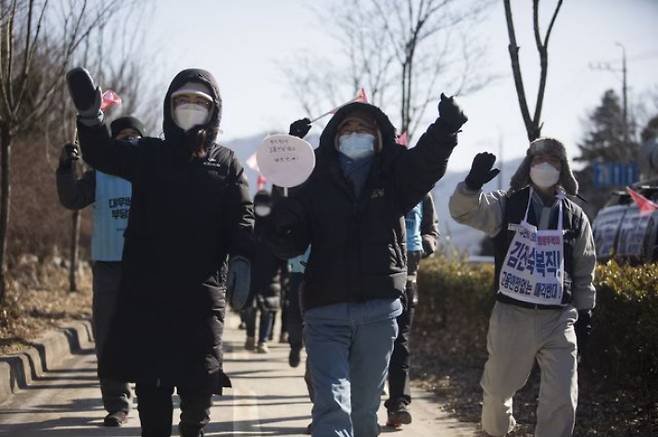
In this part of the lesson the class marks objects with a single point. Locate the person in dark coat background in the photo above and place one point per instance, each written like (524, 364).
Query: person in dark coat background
(351, 212)
(190, 208)
(110, 197)
(422, 235)
(266, 275)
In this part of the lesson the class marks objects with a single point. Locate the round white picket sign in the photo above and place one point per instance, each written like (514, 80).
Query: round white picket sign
(285, 160)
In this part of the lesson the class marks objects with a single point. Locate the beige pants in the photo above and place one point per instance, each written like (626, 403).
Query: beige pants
(517, 337)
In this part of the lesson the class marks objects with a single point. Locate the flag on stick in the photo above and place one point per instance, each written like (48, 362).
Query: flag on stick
(646, 206)
(110, 98)
(361, 97)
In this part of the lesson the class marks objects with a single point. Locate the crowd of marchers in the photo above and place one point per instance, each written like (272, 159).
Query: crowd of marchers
(336, 256)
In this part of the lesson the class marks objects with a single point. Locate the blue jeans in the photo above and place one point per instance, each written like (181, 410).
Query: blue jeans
(349, 347)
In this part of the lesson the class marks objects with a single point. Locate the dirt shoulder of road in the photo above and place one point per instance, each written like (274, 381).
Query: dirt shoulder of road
(38, 300)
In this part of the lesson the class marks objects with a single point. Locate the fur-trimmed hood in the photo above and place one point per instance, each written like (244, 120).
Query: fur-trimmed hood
(551, 146)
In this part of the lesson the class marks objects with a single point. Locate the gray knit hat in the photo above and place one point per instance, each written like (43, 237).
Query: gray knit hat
(550, 146)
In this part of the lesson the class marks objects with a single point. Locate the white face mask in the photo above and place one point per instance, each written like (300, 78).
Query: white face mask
(262, 210)
(544, 175)
(188, 115)
(357, 145)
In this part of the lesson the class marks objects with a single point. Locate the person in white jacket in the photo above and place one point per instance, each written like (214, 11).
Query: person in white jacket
(545, 259)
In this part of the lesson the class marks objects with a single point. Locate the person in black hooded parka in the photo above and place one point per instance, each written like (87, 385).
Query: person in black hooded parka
(351, 212)
(190, 208)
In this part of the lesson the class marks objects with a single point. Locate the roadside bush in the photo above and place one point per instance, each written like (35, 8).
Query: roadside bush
(457, 297)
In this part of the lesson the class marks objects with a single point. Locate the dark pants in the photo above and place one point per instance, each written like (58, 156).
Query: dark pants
(156, 410)
(265, 323)
(107, 276)
(294, 313)
(398, 369)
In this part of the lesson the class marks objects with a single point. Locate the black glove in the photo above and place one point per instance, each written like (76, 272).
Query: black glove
(429, 245)
(583, 329)
(481, 171)
(68, 156)
(238, 282)
(451, 114)
(300, 128)
(86, 96)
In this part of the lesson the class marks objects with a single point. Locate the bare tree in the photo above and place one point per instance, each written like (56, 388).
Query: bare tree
(400, 51)
(30, 31)
(533, 124)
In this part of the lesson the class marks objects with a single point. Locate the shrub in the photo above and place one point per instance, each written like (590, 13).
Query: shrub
(457, 297)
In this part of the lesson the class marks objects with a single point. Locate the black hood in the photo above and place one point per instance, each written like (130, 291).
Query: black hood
(171, 131)
(126, 123)
(328, 136)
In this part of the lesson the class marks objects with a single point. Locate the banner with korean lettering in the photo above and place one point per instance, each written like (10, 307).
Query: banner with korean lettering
(605, 228)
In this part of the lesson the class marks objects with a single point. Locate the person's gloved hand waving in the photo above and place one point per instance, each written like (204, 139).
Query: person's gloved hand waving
(300, 128)
(451, 114)
(87, 97)
(482, 171)
(68, 156)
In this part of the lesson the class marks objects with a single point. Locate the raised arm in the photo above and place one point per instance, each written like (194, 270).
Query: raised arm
(418, 169)
(118, 158)
(470, 206)
(73, 192)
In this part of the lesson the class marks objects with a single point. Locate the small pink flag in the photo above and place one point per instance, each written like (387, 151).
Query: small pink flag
(252, 163)
(260, 182)
(361, 96)
(403, 139)
(110, 98)
(646, 206)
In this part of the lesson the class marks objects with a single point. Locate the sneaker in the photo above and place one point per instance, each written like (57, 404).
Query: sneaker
(262, 348)
(283, 338)
(250, 344)
(398, 417)
(117, 418)
(294, 357)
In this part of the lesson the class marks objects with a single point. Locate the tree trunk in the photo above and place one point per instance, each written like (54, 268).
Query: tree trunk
(5, 192)
(75, 239)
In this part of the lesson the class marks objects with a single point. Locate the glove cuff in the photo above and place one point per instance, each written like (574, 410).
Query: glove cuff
(91, 120)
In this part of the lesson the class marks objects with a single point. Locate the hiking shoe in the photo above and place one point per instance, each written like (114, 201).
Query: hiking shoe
(117, 418)
(262, 348)
(294, 357)
(398, 417)
(250, 344)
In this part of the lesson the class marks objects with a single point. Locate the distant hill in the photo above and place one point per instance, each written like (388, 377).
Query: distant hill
(458, 236)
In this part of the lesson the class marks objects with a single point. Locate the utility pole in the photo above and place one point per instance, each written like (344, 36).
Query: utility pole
(606, 66)
(624, 90)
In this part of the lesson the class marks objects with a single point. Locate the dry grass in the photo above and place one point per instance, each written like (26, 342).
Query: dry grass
(38, 299)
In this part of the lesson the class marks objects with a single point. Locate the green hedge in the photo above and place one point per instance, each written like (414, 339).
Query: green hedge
(457, 297)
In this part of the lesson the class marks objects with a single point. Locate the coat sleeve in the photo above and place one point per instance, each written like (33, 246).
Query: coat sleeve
(75, 193)
(482, 211)
(418, 169)
(101, 152)
(429, 224)
(584, 263)
(239, 218)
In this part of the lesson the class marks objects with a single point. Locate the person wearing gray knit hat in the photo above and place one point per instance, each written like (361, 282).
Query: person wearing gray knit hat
(544, 268)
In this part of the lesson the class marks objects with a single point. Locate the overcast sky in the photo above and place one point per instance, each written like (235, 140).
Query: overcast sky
(241, 41)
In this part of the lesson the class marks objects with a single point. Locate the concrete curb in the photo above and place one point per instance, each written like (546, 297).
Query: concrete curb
(19, 370)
